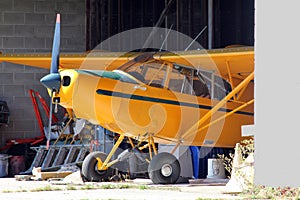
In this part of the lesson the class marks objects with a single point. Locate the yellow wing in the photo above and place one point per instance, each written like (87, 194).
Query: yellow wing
(68, 60)
(237, 62)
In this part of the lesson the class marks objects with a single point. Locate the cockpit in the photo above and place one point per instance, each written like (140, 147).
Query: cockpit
(175, 77)
(169, 76)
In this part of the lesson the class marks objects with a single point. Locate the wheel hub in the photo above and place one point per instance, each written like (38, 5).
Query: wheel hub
(166, 170)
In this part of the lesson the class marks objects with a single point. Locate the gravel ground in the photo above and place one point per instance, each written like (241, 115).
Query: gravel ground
(138, 189)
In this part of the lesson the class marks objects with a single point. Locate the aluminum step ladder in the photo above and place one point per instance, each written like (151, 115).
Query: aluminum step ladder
(57, 156)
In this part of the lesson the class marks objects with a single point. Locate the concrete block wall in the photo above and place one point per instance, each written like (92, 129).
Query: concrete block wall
(27, 26)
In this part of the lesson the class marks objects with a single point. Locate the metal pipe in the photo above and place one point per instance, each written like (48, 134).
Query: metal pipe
(195, 39)
(104, 138)
(210, 23)
(50, 120)
(158, 23)
(212, 91)
(163, 43)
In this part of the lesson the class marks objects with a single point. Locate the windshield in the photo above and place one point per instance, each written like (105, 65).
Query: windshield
(152, 73)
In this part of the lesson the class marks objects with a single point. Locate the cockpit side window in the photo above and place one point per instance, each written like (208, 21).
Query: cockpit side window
(188, 81)
(181, 80)
(200, 86)
(156, 74)
(152, 73)
(217, 86)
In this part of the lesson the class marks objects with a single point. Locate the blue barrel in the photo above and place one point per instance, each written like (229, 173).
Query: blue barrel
(195, 160)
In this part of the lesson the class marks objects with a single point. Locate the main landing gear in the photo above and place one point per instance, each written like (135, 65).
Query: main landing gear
(164, 168)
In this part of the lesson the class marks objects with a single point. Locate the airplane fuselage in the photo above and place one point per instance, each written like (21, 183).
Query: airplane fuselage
(136, 110)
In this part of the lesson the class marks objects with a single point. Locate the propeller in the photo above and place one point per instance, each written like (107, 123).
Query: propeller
(52, 80)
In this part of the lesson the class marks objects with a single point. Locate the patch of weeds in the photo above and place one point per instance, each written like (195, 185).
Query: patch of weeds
(71, 187)
(12, 191)
(124, 186)
(46, 188)
(108, 186)
(7, 191)
(56, 189)
(117, 186)
(88, 187)
(143, 187)
(22, 190)
(246, 147)
(263, 192)
(170, 188)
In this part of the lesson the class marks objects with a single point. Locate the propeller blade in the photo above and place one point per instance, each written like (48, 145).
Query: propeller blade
(52, 81)
(56, 47)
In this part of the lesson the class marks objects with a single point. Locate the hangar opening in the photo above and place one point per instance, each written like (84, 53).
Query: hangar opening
(228, 22)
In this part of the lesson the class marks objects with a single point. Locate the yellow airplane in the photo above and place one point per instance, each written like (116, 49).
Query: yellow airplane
(189, 98)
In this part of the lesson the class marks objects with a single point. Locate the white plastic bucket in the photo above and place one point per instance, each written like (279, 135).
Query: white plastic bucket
(215, 168)
(3, 165)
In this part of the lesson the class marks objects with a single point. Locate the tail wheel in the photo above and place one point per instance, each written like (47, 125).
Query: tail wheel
(89, 167)
(164, 168)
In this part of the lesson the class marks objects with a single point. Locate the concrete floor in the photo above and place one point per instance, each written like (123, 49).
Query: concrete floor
(196, 189)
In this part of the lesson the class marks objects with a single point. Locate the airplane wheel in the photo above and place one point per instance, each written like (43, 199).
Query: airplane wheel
(89, 168)
(164, 168)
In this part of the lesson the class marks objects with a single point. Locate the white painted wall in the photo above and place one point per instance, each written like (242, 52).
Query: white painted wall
(277, 94)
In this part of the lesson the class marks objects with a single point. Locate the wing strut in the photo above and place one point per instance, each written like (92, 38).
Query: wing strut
(219, 105)
(227, 114)
(229, 75)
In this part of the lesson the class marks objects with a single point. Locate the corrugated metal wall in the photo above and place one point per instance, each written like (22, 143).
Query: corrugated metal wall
(233, 20)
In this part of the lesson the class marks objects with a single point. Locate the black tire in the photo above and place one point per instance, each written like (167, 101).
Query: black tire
(166, 161)
(89, 168)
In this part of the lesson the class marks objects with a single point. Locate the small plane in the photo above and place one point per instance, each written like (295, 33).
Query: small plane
(153, 97)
